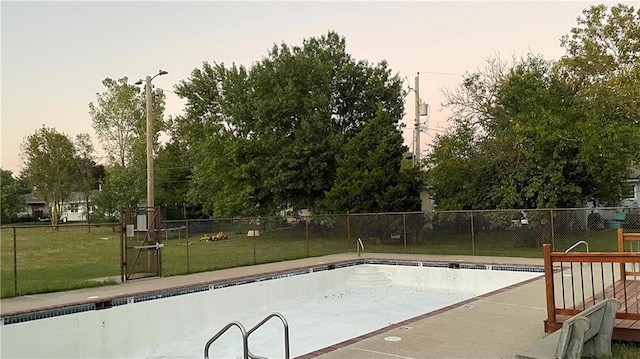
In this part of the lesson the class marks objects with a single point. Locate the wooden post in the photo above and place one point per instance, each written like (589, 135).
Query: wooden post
(548, 282)
(623, 275)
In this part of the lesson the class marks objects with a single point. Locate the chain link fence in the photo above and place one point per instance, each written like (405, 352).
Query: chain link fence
(39, 259)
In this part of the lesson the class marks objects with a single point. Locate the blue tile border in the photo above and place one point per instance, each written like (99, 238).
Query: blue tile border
(167, 293)
(393, 262)
(518, 268)
(435, 264)
(473, 266)
(26, 317)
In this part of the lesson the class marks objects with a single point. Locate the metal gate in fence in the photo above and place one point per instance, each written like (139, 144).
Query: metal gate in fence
(141, 243)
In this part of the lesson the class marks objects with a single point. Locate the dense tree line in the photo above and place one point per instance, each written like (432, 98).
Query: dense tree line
(539, 133)
(275, 136)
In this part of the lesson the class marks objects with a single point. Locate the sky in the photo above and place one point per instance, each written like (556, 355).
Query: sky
(54, 55)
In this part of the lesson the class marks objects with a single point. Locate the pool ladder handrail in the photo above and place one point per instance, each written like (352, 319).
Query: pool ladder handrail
(577, 244)
(246, 353)
(359, 245)
(286, 334)
(245, 342)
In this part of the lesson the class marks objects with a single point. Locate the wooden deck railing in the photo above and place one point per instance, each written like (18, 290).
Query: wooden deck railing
(629, 239)
(576, 281)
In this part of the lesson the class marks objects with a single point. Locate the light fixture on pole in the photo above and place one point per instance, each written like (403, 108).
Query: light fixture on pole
(421, 109)
(150, 189)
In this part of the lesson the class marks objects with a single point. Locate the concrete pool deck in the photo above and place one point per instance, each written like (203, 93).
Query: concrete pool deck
(496, 325)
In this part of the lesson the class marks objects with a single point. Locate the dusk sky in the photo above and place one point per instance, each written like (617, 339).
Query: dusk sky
(56, 54)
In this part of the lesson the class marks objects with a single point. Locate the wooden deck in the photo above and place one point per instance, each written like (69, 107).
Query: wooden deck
(584, 279)
(627, 324)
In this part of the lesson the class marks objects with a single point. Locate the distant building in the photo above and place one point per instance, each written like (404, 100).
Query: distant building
(75, 207)
(632, 194)
(34, 207)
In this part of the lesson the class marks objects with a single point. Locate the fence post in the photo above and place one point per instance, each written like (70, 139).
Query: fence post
(254, 239)
(553, 232)
(306, 225)
(15, 264)
(404, 230)
(473, 237)
(187, 242)
(349, 233)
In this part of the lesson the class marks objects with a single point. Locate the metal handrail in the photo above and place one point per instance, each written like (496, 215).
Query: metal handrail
(246, 353)
(577, 244)
(245, 343)
(286, 334)
(359, 245)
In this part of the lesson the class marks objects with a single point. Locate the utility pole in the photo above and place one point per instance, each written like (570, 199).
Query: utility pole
(416, 140)
(150, 190)
(154, 256)
(150, 135)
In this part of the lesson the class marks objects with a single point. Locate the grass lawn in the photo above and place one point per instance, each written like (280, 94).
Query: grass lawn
(625, 350)
(49, 260)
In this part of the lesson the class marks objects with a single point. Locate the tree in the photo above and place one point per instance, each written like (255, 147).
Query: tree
(172, 174)
(49, 167)
(604, 44)
(525, 137)
(86, 176)
(11, 201)
(119, 119)
(370, 178)
(603, 62)
(122, 187)
(545, 134)
(268, 137)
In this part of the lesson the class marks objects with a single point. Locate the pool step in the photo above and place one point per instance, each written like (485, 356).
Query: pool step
(369, 276)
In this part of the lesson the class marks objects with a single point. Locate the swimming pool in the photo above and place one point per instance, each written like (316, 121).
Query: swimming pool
(324, 305)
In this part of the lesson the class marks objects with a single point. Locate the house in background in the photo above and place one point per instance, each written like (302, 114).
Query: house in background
(75, 207)
(34, 207)
(632, 194)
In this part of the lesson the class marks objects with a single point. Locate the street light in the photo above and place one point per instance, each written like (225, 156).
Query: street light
(150, 191)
